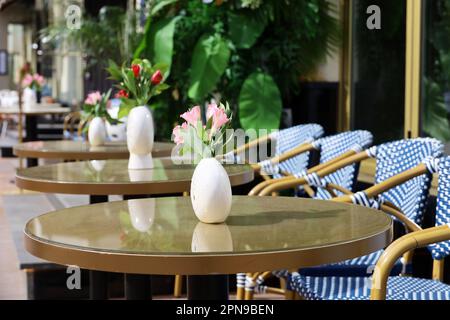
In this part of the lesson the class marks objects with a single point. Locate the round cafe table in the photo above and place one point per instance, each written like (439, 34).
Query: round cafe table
(81, 150)
(31, 113)
(100, 178)
(163, 236)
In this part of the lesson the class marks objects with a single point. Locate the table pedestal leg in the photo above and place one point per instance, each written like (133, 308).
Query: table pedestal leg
(30, 128)
(214, 287)
(32, 162)
(98, 285)
(97, 199)
(138, 287)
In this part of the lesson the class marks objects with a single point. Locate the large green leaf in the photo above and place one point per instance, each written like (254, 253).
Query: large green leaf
(161, 5)
(245, 30)
(157, 44)
(435, 121)
(260, 102)
(209, 61)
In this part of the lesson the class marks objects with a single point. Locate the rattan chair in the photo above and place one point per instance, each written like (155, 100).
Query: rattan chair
(332, 149)
(408, 197)
(383, 286)
(70, 127)
(292, 150)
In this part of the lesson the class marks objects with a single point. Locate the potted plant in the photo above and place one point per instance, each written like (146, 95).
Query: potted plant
(33, 85)
(210, 184)
(138, 84)
(95, 112)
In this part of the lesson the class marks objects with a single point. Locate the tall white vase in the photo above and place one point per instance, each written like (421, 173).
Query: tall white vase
(140, 136)
(211, 191)
(97, 132)
(29, 98)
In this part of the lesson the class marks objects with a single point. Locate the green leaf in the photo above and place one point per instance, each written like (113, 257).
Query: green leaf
(245, 30)
(159, 43)
(160, 5)
(209, 61)
(260, 102)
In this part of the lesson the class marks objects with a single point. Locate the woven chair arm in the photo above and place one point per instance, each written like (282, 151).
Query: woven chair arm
(399, 247)
(389, 183)
(324, 171)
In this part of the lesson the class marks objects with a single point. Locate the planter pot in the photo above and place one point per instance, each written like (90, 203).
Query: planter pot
(97, 132)
(211, 191)
(140, 135)
(211, 238)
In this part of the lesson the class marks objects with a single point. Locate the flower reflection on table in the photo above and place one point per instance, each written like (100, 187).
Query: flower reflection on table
(211, 238)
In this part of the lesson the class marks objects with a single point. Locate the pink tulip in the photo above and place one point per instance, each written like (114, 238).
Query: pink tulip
(218, 114)
(27, 80)
(178, 138)
(192, 116)
(93, 98)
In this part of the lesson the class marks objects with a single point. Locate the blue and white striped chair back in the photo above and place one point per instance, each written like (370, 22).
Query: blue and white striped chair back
(441, 250)
(336, 145)
(290, 138)
(396, 157)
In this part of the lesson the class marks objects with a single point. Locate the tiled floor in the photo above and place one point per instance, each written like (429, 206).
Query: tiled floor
(12, 279)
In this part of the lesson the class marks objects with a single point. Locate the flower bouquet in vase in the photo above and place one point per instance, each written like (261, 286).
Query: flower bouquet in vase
(138, 84)
(32, 84)
(95, 113)
(210, 184)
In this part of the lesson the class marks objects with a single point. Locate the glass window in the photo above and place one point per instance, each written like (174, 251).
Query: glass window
(378, 70)
(436, 70)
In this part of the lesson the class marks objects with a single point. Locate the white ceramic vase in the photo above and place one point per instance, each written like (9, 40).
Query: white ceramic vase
(29, 98)
(211, 191)
(140, 135)
(97, 132)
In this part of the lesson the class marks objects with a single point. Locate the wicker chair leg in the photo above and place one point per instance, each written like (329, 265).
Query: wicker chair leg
(240, 286)
(178, 287)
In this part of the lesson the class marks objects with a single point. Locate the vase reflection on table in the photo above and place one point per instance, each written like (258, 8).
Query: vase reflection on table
(211, 238)
(142, 214)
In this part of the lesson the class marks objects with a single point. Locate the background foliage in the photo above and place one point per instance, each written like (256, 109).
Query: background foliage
(251, 53)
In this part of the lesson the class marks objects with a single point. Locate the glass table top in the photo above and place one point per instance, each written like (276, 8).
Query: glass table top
(67, 149)
(168, 227)
(104, 177)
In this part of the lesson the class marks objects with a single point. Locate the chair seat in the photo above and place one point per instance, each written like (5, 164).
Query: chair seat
(357, 267)
(358, 288)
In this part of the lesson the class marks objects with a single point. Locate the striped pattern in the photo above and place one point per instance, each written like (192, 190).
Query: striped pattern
(288, 139)
(441, 250)
(358, 288)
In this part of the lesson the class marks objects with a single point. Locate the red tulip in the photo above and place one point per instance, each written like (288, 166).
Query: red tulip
(157, 77)
(136, 69)
(122, 94)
